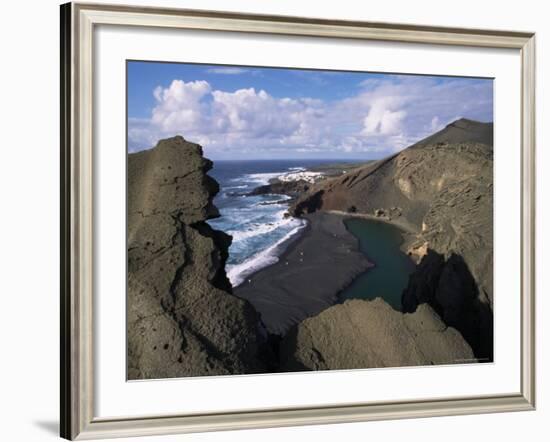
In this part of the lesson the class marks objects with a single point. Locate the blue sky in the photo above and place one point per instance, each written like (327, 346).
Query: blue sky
(249, 112)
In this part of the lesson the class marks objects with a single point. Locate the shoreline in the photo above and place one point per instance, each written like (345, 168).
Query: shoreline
(398, 222)
(286, 246)
(238, 274)
(309, 275)
(283, 244)
(408, 232)
(370, 289)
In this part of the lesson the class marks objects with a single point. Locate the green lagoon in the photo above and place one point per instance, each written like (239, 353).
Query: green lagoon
(380, 242)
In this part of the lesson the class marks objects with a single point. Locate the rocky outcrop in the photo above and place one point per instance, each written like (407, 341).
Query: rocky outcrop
(182, 318)
(446, 283)
(290, 188)
(368, 334)
(457, 236)
(443, 188)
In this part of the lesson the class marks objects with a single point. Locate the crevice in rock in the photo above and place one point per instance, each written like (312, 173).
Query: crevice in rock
(219, 254)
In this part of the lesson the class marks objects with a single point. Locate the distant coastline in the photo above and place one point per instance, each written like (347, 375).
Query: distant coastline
(254, 200)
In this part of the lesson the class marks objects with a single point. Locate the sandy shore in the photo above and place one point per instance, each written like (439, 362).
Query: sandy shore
(308, 276)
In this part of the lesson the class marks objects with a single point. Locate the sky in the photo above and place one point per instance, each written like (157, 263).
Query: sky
(275, 113)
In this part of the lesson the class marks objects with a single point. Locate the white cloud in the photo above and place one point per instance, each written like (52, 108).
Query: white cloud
(383, 117)
(179, 107)
(435, 125)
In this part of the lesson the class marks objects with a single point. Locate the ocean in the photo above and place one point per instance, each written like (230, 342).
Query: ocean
(260, 231)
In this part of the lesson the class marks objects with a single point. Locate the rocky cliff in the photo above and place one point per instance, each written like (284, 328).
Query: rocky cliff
(442, 188)
(182, 318)
(410, 181)
(365, 334)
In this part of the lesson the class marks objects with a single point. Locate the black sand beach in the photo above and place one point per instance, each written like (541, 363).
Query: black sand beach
(308, 276)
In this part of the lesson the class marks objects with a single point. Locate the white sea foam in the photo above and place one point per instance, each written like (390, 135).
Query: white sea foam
(258, 226)
(261, 229)
(258, 178)
(238, 273)
(280, 201)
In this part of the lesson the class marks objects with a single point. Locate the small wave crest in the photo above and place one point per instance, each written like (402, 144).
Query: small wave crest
(256, 229)
(257, 178)
(237, 273)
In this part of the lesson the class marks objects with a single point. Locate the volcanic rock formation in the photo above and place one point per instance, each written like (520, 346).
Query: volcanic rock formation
(364, 334)
(442, 187)
(182, 318)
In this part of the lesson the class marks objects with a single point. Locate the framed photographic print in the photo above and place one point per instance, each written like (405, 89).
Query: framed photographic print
(272, 220)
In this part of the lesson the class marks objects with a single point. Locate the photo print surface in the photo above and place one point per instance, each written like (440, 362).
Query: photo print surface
(283, 220)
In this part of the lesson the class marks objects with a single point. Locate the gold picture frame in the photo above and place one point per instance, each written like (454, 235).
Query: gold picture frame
(77, 389)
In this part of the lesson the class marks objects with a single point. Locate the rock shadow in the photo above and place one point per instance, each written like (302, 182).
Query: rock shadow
(447, 285)
(310, 204)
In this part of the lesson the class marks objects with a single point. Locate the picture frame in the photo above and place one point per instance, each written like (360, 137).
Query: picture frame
(78, 24)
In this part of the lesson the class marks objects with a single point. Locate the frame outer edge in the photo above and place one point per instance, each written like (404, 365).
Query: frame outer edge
(310, 26)
(65, 206)
(528, 366)
(77, 404)
(301, 417)
(84, 164)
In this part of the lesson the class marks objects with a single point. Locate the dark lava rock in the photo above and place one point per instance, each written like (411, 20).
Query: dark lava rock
(369, 334)
(182, 318)
(290, 188)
